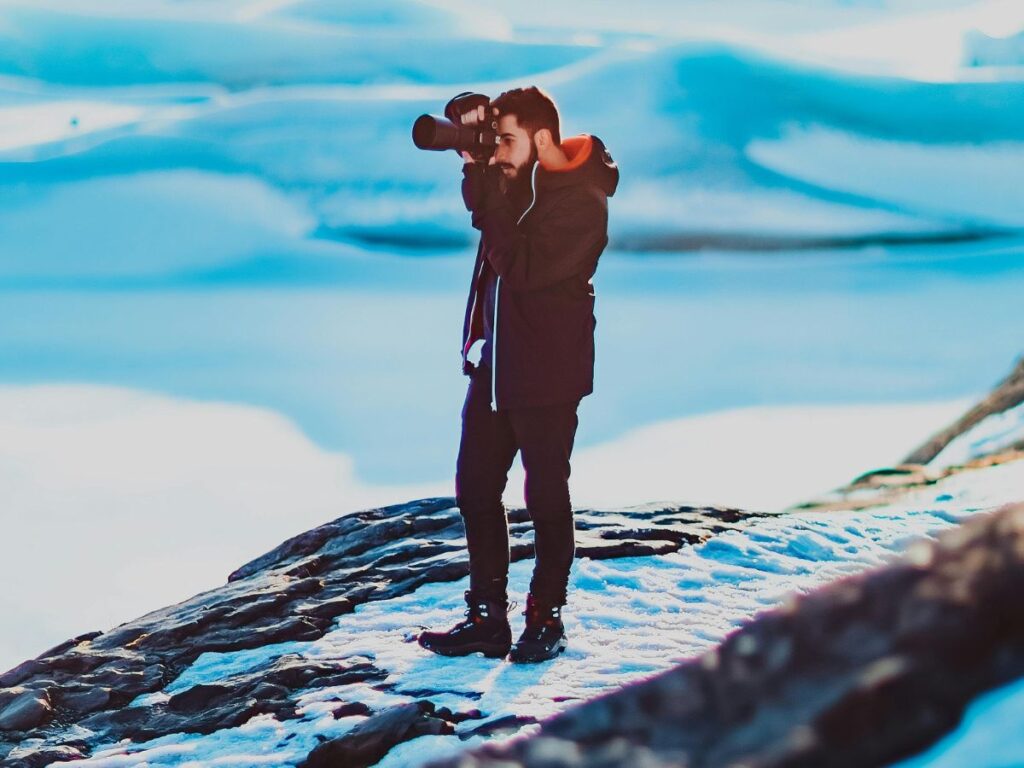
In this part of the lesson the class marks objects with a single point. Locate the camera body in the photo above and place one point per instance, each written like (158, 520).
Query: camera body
(441, 133)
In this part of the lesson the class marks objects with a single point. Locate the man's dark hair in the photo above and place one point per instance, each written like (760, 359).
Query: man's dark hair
(534, 109)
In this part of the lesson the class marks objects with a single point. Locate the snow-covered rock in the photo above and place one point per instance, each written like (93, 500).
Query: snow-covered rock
(860, 673)
(994, 424)
(312, 644)
(248, 649)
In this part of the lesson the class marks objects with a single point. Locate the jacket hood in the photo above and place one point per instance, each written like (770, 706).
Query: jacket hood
(589, 163)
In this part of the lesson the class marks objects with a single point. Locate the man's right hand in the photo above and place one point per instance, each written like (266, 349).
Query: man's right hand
(475, 117)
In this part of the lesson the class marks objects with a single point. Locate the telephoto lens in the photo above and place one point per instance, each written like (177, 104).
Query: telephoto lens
(440, 133)
(437, 133)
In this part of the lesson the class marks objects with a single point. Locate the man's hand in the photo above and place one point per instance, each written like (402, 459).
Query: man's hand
(475, 117)
(469, 158)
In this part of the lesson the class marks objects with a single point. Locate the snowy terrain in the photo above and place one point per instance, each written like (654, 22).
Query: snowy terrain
(97, 471)
(627, 618)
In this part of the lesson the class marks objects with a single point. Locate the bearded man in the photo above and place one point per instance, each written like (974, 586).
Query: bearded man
(540, 204)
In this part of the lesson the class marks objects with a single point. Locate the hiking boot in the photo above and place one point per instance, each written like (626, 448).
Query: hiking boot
(484, 629)
(544, 635)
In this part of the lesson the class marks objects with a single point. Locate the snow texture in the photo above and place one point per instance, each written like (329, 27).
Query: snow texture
(627, 618)
(994, 433)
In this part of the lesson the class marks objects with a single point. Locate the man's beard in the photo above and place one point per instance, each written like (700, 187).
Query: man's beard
(518, 189)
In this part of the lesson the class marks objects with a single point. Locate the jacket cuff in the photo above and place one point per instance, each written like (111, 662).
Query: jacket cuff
(481, 190)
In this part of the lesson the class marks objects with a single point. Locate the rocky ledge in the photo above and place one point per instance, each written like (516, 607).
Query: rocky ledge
(919, 469)
(60, 705)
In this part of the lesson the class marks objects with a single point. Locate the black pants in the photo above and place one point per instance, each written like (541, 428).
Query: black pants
(490, 439)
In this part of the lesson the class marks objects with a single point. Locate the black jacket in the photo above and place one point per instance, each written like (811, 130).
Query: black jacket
(542, 348)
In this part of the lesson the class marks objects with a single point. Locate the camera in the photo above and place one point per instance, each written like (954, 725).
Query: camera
(440, 133)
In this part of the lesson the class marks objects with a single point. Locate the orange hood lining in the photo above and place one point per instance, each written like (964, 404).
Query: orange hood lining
(577, 149)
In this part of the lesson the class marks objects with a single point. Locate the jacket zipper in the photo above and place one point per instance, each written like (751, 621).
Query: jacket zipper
(472, 310)
(497, 287)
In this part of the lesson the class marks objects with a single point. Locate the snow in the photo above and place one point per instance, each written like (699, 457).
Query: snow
(994, 433)
(25, 125)
(719, 458)
(322, 112)
(228, 218)
(979, 184)
(626, 619)
(929, 45)
(70, 46)
(667, 207)
(982, 50)
(910, 38)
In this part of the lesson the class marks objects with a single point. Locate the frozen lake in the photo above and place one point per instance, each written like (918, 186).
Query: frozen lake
(365, 361)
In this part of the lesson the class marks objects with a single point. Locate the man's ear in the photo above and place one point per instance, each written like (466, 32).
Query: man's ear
(542, 139)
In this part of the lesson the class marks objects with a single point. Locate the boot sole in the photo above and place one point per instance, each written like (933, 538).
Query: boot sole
(534, 659)
(488, 650)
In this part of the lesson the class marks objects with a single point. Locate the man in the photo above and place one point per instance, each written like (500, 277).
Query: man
(540, 204)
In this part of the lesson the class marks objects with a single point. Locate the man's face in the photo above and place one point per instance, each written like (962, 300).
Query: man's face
(516, 151)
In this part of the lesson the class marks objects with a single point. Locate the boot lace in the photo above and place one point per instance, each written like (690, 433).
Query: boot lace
(476, 611)
(538, 616)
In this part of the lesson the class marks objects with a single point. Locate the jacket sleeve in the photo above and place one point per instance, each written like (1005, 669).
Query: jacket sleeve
(566, 241)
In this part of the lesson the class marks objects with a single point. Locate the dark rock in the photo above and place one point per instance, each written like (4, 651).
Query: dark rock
(7, 695)
(458, 717)
(509, 724)
(85, 700)
(349, 709)
(200, 697)
(423, 693)
(371, 739)
(123, 677)
(20, 673)
(25, 711)
(67, 645)
(209, 707)
(144, 723)
(39, 757)
(328, 609)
